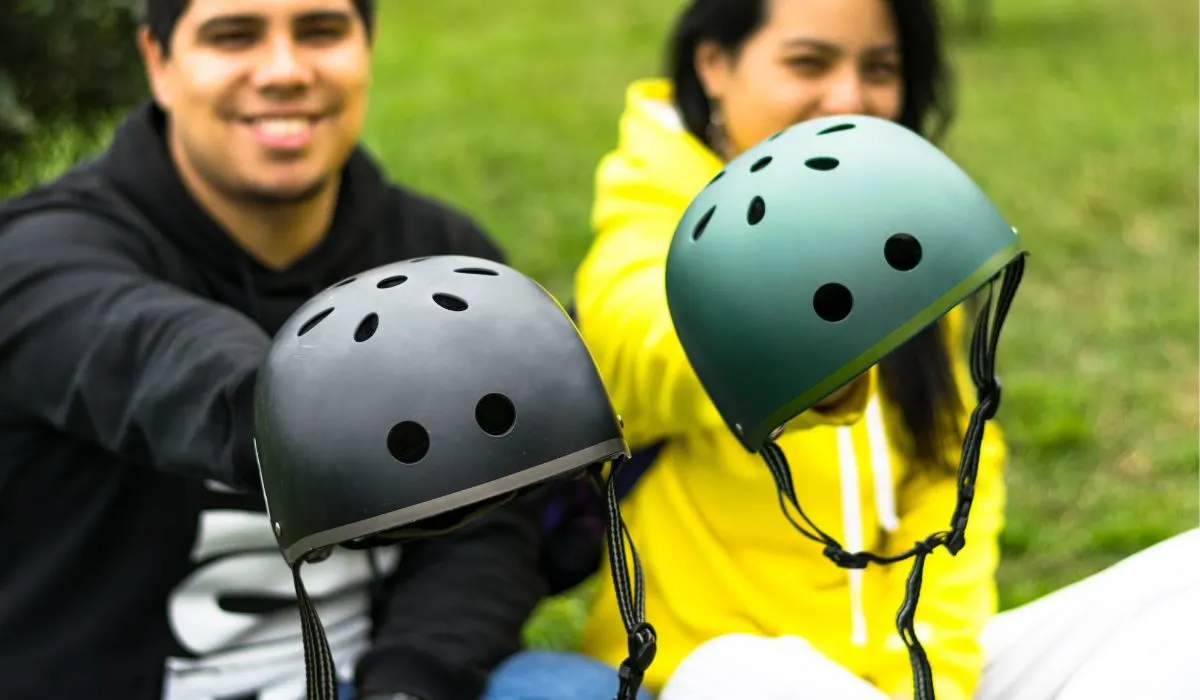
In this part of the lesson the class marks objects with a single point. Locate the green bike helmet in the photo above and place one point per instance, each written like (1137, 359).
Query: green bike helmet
(817, 252)
(812, 256)
(413, 397)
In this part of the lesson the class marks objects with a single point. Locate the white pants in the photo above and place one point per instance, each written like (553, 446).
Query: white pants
(1130, 632)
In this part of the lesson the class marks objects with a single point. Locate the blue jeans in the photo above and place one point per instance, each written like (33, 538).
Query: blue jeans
(553, 675)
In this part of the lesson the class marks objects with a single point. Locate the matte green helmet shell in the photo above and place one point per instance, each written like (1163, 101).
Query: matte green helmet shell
(817, 252)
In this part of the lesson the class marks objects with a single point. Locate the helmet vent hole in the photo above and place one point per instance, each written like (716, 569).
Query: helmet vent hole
(345, 282)
(366, 328)
(495, 414)
(703, 223)
(312, 322)
(408, 442)
(450, 302)
(421, 259)
(477, 271)
(394, 281)
(716, 177)
(822, 163)
(776, 135)
(902, 251)
(835, 129)
(758, 209)
(760, 164)
(833, 302)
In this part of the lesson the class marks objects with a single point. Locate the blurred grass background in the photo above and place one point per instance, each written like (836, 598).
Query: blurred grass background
(1079, 117)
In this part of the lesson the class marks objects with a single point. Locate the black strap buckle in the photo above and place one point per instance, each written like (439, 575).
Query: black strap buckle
(958, 537)
(989, 398)
(643, 646)
(845, 559)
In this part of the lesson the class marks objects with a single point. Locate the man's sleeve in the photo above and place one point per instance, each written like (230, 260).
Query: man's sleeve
(456, 608)
(93, 344)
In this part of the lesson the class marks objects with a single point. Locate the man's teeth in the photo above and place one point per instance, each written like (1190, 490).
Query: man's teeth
(281, 127)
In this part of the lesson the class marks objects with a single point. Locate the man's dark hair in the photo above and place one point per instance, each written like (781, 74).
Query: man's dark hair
(161, 16)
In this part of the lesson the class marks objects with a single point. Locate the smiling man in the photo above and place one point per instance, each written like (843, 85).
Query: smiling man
(138, 297)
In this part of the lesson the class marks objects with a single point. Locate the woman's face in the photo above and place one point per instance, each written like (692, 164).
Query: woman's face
(810, 58)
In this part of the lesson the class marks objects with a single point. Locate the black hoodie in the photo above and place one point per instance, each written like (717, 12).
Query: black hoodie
(136, 561)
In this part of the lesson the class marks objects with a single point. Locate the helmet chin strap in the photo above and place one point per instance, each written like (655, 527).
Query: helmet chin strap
(983, 373)
(631, 600)
(320, 675)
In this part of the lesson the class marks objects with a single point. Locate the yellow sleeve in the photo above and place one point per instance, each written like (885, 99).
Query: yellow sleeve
(621, 307)
(958, 595)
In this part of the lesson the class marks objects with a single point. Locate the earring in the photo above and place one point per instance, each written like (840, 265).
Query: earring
(718, 137)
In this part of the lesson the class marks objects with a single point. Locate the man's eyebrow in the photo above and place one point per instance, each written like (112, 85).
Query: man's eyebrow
(228, 21)
(324, 16)
(242, 20)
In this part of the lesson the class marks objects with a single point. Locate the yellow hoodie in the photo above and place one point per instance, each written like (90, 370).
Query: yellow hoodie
(719, 556)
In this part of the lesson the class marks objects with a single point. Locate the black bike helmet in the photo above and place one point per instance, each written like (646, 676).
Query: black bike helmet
(412, 397)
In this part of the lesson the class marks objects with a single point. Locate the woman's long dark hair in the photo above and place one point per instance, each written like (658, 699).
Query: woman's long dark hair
(917, 377)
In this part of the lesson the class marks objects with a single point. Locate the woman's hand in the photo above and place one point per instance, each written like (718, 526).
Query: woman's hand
(833, 399)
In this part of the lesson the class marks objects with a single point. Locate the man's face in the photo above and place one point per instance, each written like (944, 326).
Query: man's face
(266, 97)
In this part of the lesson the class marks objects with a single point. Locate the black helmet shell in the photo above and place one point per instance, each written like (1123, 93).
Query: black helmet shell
(418, 388)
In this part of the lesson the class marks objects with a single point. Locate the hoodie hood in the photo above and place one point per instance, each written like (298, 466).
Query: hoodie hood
(139, 165)
(658, 162)
(135, 185)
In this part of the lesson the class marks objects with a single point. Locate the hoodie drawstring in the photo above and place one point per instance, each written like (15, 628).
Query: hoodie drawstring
(852, 528)
(881, 467)
(885, 502)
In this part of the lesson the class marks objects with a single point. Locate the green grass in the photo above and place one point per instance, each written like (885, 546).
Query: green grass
(55, 147)
(1079, 117)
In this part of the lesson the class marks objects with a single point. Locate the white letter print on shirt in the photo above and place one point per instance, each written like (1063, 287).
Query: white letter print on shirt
(241, 653)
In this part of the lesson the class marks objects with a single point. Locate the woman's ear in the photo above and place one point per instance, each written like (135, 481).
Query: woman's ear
(714, 68)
